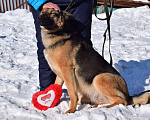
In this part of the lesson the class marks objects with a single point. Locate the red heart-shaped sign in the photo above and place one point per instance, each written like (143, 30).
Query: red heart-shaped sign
(43, 100)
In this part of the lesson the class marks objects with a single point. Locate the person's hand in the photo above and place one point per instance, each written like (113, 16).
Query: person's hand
(51, 5)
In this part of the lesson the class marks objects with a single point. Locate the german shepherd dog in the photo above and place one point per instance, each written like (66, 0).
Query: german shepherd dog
(87, 75)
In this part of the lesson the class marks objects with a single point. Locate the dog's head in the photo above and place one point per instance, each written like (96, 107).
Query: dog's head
(51, 20)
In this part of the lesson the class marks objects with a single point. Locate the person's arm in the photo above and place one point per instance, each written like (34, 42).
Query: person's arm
(38, 3)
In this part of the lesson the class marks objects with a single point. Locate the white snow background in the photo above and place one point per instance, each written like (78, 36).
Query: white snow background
(130, 31)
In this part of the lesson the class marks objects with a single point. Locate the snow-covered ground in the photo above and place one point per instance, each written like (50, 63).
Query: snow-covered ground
(130, 30)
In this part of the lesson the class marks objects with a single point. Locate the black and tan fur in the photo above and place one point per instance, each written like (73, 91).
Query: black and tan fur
(85, 72)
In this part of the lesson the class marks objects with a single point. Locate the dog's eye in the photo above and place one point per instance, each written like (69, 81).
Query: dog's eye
(54, 14)
(50, 14)
(42, 12)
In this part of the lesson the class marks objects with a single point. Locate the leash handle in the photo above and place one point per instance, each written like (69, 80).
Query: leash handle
(108, 16)
(70, 5)
(95, 9)
(108, 25)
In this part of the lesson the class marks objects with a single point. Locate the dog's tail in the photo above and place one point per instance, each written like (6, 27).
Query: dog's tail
(140, 99)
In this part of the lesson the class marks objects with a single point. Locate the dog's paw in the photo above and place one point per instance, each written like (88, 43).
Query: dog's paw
(70, 111)
(79, 103)
(93, 106)
(136, 105)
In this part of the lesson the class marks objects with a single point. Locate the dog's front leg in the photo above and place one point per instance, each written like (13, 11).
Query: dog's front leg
(69, 78)
(59, 81)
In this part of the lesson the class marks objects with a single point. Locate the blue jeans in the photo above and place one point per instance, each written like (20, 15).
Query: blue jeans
(82, 23)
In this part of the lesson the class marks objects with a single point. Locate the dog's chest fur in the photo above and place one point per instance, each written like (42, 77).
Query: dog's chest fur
(59, 56)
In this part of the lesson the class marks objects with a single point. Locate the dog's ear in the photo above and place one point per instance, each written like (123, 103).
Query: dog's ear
(68, 16)
(64, 16)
